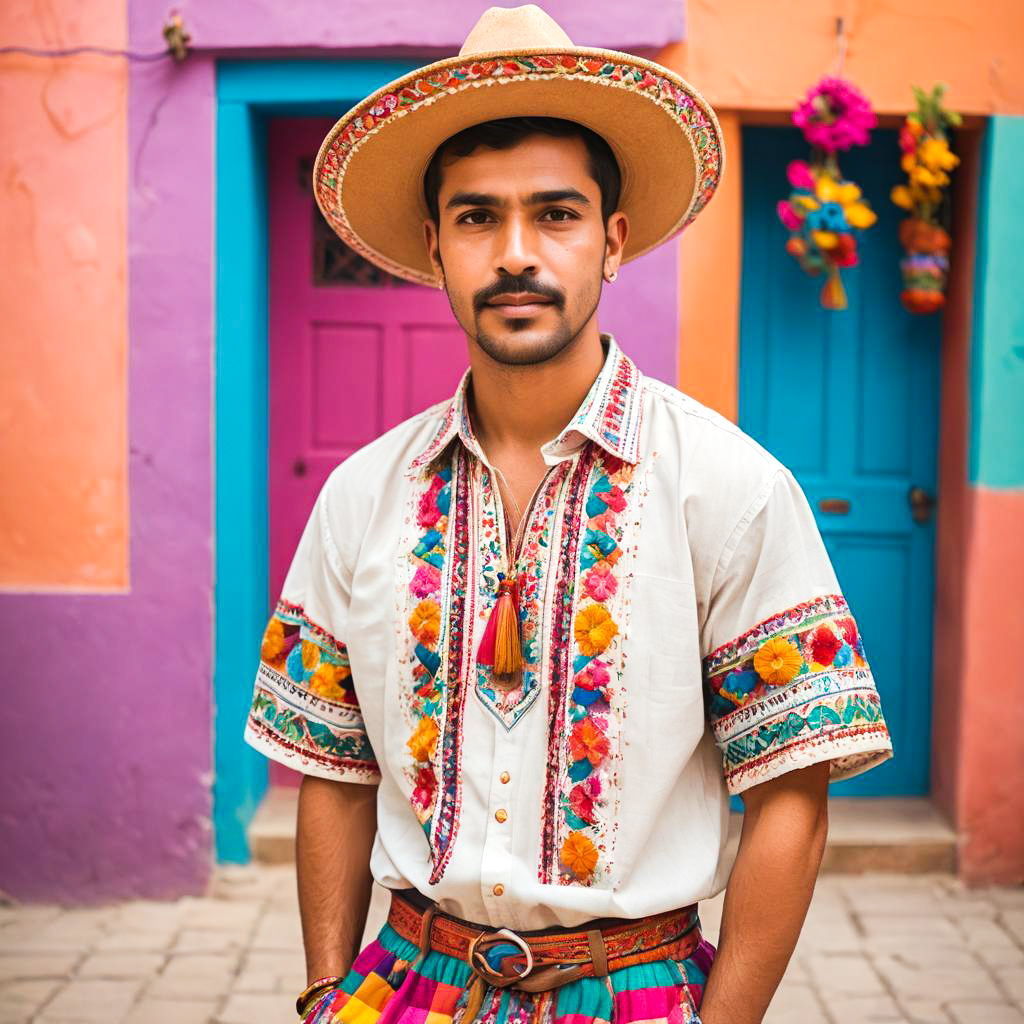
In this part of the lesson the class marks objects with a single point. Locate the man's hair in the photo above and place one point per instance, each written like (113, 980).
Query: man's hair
(506, 132)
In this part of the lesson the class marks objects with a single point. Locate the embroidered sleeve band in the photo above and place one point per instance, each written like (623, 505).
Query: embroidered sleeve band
(794, 690)
(304, 710)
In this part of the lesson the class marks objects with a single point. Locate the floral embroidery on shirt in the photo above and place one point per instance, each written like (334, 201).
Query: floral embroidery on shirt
(509, 705)
(303, 702)
(580, 797)
(791, 688)
(432, 609)
(424, 625)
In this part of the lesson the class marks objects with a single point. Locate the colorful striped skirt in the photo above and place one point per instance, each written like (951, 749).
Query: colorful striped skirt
(386, 986)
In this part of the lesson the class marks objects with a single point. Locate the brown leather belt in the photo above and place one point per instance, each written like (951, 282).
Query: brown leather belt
(538, 961)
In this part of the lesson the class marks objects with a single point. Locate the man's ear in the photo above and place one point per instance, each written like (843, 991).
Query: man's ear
(432, 242)
(616, 234)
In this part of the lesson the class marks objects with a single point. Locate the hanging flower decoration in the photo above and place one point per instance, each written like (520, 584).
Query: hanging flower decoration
(824, 213)
(927, 161)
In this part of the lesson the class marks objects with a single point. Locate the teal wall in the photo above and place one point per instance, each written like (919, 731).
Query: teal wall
(997, 357)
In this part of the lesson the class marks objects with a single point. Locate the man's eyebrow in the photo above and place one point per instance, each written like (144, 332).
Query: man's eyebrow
(557, 195)
(554, 195)
(473, 199)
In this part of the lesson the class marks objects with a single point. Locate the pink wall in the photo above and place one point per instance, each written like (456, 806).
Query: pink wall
(63, 440)
(989, 753)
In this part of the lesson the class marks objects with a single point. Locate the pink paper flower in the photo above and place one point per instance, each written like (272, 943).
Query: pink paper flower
(799, 174)
(428, 513)
(835, 115)
(788, 216)
(614, 499)
(582, 798)
(423, 791)
(426, 582)
(594, 676)
(600, 583)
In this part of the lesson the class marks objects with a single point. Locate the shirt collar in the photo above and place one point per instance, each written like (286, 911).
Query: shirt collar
(609, 415)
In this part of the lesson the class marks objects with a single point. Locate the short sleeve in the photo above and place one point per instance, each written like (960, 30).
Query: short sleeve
(786, 679)
(305, 712)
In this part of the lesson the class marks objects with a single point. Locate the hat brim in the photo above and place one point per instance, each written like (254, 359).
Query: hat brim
(368, 174)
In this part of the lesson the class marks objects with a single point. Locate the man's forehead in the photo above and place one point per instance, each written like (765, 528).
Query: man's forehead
(538, 164)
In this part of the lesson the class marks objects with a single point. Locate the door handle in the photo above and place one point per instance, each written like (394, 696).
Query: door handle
(834, 506)
(921, 504)
(299, 466)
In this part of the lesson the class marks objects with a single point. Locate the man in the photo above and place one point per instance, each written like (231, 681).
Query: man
(534, 637)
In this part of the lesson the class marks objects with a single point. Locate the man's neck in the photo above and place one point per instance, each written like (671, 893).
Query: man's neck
(523, 407)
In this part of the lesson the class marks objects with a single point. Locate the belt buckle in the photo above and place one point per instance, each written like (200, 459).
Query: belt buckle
(490, 958)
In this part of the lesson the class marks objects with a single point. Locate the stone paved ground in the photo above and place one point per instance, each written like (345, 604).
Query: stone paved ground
(875, 948)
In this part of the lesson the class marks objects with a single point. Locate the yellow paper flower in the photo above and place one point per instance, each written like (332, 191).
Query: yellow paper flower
(777, 661)
(825, 239)
(326, 681)
(310, 655)
(826, 189)
(859, 215)
(902, 197)
(424, 740)
(579, 855)
(273, 641)
(595, 629)
(921, 175)
(847, 194)
(425, 622)
(935, 154)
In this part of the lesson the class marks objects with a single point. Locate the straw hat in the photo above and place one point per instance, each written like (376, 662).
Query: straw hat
(368, 175)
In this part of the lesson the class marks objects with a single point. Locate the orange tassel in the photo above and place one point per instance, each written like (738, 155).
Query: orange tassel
(833, 295)
(508, 652)
(500, 646)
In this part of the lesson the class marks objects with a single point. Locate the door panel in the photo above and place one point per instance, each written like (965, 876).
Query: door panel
(347, 349)
(849, 401)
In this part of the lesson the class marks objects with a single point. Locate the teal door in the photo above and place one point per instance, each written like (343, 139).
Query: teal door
(848, 401)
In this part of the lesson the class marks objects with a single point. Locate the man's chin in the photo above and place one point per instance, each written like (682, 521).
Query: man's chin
(523, 344)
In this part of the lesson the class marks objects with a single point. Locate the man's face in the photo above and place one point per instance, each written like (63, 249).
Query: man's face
(522, 246)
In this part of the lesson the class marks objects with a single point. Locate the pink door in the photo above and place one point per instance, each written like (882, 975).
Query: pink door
(353, 351)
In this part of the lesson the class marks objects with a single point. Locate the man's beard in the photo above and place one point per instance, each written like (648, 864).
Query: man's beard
(506, 350)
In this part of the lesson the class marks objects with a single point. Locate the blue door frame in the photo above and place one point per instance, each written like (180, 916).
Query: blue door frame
(248, 93)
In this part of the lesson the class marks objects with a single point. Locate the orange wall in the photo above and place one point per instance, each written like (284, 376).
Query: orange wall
(64, 515)
(760, 56)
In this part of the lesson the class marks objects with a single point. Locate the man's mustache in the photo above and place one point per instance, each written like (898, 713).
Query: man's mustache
(517, 283)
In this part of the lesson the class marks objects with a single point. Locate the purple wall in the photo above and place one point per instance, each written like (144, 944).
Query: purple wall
(107, 723)
(307, 24)
(105, 791)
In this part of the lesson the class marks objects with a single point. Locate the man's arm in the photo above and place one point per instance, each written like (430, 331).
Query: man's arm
(785, 824)
(335, 829)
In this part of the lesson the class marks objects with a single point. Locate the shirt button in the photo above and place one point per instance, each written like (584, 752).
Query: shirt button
(500, 814)
(504, 776)
(498, 889)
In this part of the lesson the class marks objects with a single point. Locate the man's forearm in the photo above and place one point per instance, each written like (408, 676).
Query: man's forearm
(766, 900)
(334, 834)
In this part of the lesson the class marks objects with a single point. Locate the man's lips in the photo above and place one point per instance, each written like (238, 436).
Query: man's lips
(520, 305)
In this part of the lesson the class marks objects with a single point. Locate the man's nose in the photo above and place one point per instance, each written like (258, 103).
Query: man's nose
(515, 253)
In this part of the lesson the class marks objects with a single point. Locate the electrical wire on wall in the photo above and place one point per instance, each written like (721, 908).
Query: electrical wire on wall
(174, 33)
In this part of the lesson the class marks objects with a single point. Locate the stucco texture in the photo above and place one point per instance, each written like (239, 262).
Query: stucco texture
(63, 517)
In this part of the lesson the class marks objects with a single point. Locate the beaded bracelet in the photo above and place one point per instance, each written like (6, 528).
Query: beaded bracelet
(315, 988)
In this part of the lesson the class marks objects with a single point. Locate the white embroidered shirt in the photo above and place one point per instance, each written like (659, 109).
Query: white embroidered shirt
(683, 637)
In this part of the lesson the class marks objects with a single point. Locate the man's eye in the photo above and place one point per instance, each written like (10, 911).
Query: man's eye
(466, 217)
(561, 214)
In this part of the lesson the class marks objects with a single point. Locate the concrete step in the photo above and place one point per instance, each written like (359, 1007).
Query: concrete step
(899, 834)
